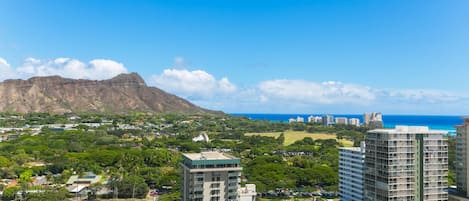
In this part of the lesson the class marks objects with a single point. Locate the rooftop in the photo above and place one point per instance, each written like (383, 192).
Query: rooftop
(209, 156)
(351, 148)
(88, 178)
(409, 130)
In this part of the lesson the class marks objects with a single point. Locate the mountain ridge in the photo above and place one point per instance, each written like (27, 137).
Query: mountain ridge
(120, 94)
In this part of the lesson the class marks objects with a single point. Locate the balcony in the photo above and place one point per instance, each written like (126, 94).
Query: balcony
(233, 174)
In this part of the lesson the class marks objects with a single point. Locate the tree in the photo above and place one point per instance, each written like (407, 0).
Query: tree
(281, 138)
(10, 193)
(25, 177)
(4, 162)
(132, 186)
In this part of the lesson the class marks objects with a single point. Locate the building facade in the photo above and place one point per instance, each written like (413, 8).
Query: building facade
(210, 176)
(406, 163)
(354, 121)
(341, 120)
(462, 157)
(327, 120)
(373, 120)
(247, 193)
(351, 166)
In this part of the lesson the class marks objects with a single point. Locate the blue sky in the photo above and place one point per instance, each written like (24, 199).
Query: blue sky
(399, 57)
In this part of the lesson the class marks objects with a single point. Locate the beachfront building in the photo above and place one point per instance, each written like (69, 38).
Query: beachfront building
(341, 120)
(462, 158)
(210, 176)
(351, 165)
(354, 121)
(314, 119)
(373, 120)
(327, 120)
(300, 119)
(406, 163)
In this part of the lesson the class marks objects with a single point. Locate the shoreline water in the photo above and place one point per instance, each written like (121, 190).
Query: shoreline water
(443, 122)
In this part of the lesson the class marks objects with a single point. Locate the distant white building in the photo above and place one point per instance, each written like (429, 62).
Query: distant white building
(341, 120)
(351, 167)
(300, 119)
(373, 120)
(327, 120)
(291, 120)
(73, 118)
(203, 137)
(314, 119)
(247, 193)
(354, 121)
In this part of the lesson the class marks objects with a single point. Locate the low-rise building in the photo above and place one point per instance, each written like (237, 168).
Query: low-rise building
(247, 193)
(86, 180)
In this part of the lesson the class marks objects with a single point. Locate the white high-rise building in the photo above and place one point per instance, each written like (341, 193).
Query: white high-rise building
(373, 120)
(300, 119)
(210, 176)
(354, 121)
(462, 157)
(406, 163)
(351, 166)
(314, 119)
(341, 120)
(327, 120)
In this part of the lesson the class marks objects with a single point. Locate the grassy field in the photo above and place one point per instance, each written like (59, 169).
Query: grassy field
(292, 136)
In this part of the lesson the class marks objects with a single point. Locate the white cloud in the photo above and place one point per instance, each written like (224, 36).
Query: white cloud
(225, 85)
(284, 95)
(315, 93)
(196, 84)
(98, 69)
(419, 96)
(6, 71)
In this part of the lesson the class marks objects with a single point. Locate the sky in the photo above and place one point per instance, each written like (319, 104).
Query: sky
(254, 56)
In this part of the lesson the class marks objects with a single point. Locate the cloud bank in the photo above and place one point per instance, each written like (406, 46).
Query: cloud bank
(97, 69)
(302, 96)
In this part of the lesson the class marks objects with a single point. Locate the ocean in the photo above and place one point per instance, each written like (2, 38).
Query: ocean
(446, 123)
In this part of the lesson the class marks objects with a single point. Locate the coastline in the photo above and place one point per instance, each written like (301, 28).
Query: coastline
(443, 122)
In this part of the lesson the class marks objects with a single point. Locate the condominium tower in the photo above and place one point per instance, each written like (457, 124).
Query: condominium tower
(462, 157)
(406, 163)
(210, 176)
(327, 120)
(373, 120)
(351, 165)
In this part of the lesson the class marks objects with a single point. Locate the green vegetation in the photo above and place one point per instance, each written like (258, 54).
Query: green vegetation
(138, 152)
(293, 136)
